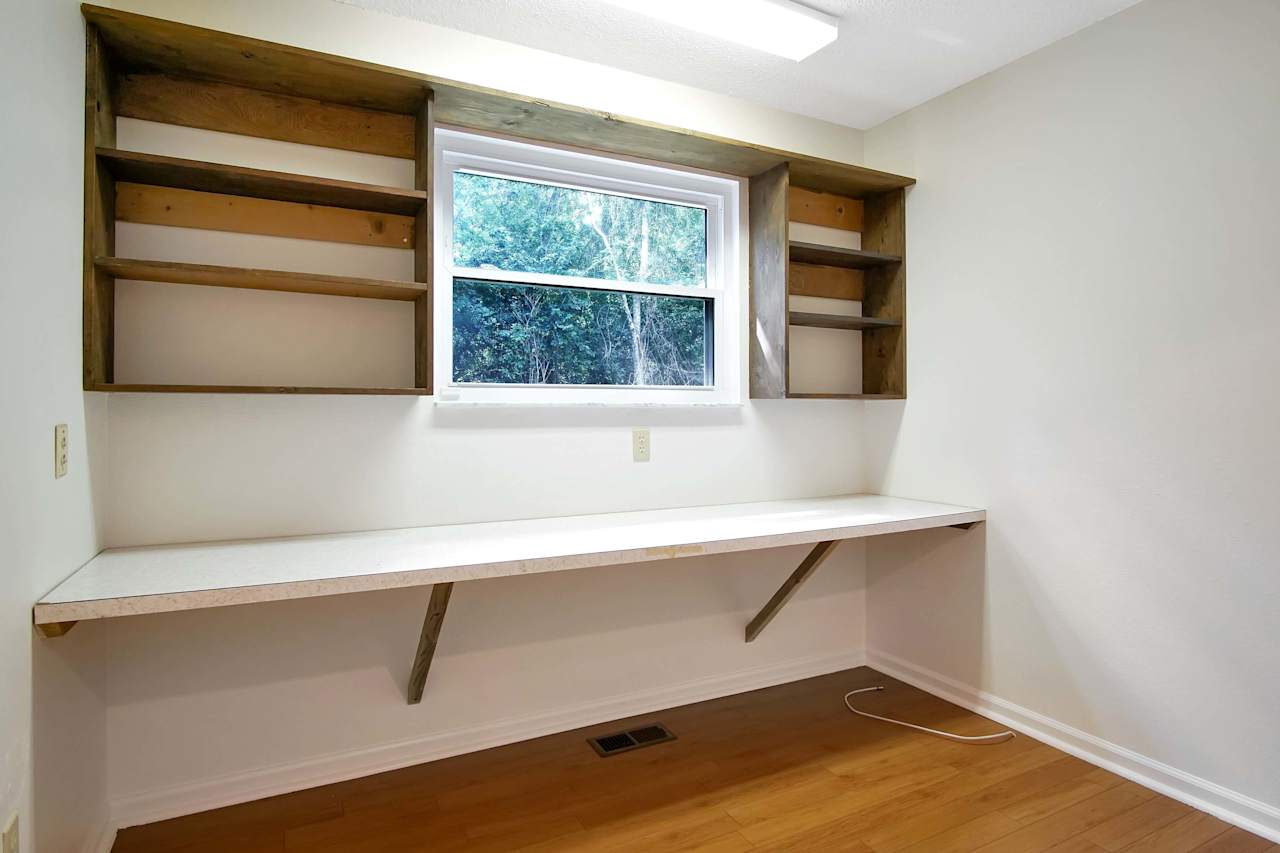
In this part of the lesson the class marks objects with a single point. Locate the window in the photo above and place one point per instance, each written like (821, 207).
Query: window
(571, 277)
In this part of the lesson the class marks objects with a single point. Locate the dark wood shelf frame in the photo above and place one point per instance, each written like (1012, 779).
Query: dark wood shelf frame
(819, 396)
(156, 70)
(835, 256)
(255, 389)
(131, 73)
(156, 170)
(874, 275)
(839, 321)
(170, 272)
(289, 80)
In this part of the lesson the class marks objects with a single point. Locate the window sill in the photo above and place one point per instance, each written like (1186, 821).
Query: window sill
(549, 404)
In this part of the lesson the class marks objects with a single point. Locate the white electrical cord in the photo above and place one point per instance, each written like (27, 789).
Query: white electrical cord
(998, 737)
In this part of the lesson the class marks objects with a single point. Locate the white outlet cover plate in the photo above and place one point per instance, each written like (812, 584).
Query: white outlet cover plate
(641, 446)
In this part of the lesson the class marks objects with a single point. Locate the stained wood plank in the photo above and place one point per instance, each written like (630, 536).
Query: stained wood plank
(889, 836)
(1236, 840)
(825, 209)
(827, 282)
(150, 45)
(789, 587)
(902, 816)
(98, 297)
(142, 388)
(430, 636)
(768, 330)
(1181, 836)
(270, 114)
(171, 272)
(424, 247)
(156, 170)
(181, 208)
(820, 396)
(839, 321)
(1125, 829)
(1072, 821)
(884, 351)
(838, 256)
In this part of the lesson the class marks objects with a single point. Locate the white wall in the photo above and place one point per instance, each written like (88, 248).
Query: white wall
(1093, 293)
(228, 704)
(52, 761)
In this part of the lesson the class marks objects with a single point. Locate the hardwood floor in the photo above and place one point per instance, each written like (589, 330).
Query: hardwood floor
(782, 769)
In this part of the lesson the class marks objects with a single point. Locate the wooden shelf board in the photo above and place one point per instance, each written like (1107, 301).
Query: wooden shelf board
(139, 43)
(800, 396)
(136, 167)
(169, 272)
(169, 578)
(252, 389)
(839, 321)
(834, 256)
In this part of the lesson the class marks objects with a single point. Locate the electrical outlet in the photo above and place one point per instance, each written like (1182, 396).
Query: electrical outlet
(640, 444)
(10, 843)
(61, 452)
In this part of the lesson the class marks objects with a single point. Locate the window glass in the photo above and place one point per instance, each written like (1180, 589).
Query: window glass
(524, 226)
(545, 335)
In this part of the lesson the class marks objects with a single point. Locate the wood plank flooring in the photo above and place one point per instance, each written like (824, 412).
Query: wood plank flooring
(782, 769)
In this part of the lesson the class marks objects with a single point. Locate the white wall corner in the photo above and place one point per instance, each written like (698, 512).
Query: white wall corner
(1233, 807)
(103, 840)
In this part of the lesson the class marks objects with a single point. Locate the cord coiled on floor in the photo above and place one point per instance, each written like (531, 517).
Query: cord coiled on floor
(998, 737)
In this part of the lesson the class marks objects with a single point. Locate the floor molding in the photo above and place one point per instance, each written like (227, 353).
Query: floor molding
(1243, 811)
(165, 803)
(102, 840)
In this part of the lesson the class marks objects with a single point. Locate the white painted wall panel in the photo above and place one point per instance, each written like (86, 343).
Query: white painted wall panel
(1093, 358)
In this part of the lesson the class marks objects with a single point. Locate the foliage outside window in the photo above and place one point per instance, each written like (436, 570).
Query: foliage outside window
(577, 278)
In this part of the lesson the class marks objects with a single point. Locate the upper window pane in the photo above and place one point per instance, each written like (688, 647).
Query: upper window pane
(523, 226)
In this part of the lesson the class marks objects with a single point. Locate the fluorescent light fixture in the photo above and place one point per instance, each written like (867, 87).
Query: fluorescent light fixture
(779, 27)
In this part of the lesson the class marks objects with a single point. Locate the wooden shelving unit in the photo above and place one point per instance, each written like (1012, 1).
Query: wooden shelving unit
(127, 76)
(161, 71)
(874, 275)
(170, 272)
(254, 389)
(155, 170)
(835, 256)
(840, 321)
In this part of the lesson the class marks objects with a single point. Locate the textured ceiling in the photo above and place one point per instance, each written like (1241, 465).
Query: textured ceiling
(891, 54)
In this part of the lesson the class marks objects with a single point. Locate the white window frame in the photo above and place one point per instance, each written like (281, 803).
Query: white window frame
(502, 157)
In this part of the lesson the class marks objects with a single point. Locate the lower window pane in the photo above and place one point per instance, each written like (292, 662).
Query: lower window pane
(541, 335)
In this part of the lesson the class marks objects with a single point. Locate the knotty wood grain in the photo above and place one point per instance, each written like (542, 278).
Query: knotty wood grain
(219, 212)
(826, 209)
(827, 282)
(264, 114)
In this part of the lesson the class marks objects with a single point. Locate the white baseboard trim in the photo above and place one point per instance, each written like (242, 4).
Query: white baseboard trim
(102, 840)
(1243, 811)
(164, 803)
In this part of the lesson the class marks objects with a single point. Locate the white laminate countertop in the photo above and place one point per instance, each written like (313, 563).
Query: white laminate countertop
(164, 578)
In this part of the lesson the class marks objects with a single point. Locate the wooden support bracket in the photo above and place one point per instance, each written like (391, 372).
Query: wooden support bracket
(820, 552)
(55, 629)
(427, 642)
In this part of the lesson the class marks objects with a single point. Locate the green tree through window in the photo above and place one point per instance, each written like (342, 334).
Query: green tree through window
(539, 334)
